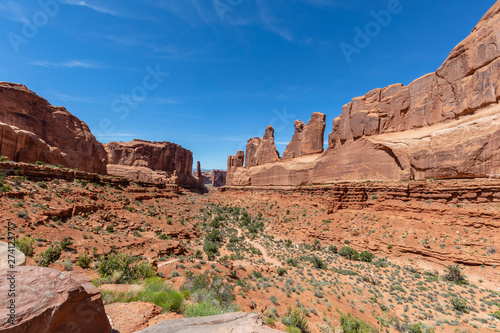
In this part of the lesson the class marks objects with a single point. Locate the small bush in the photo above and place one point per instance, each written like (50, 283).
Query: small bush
(351, 324)
(5, 188)
(49, 256)
(273, 299)
(68, 265)
(296, 318)
(333, 249)
(318, 263)
(349, 253)
(210, 249)
(460, 304)
(454, 274)
(26, 245)
(157, 292)
(366, 256)
(4, 158)
(281, 271)
(126, 265)
(202, 309)
(84, 261)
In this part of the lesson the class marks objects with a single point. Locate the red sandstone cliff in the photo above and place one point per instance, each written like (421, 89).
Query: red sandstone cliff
(151, 161)
(443, 125)
(33, 130)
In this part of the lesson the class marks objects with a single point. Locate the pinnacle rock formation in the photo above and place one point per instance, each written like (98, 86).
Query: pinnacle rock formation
(33, 130)
(445, 124)
(307, 139)
(262, 151)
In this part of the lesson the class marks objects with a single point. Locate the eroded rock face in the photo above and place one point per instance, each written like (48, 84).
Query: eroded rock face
(218, 178)
(48, 300)
(468, 80)
(307, 139)
(55, 135)
(442, 125)
(162, 158)
(266, 151)
(25, 146)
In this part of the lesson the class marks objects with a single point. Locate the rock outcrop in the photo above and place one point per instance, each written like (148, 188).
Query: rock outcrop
(7, 254)
(218, 178)
(151, 161)
(199, 175)
(443, 125)
(262, 151)
(307, 139)
(32, 130)
(48, 300)
(237, 322)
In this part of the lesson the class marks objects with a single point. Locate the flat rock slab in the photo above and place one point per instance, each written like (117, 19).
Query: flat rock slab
(4, 256)
(236, 322)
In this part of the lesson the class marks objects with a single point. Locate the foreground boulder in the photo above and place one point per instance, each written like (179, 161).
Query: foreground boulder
(48, 300)
(237, 322)
(33, 130)
(5, 251)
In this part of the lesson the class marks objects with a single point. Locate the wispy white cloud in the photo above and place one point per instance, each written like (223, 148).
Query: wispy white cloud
(67, 98)
(165, 101)
(69, 64)
(96, 7)
(155, 49)
(13, 11)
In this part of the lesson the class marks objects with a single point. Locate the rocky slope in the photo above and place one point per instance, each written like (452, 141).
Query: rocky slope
(442, 125)
(33, 130)
(151, 161)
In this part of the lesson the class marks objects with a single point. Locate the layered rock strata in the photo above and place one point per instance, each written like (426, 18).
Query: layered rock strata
(151, 162)
(443, 125)
(33, 130)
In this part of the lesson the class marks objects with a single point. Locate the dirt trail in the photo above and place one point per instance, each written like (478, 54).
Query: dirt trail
(263, 250)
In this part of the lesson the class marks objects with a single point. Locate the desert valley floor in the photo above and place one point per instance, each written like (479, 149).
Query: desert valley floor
(277, 250)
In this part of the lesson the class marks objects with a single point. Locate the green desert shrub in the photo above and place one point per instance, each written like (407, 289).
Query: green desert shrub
(349, 253)
(366, 256)
(454, 274)
(128, 267)
(26, 245)
(49, 256)
(296, 318)
(84, 260)
(213, 295)
(351, 324)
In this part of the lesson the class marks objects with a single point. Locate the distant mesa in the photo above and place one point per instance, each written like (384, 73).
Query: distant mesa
(445, 124)
(215, 178)
(32, 130)
(157, 162)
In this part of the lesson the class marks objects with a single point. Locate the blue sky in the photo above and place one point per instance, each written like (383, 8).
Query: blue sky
(208, 74)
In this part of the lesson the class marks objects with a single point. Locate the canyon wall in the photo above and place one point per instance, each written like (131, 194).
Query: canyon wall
(151, 162)
(33, 130)
(445, 124)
